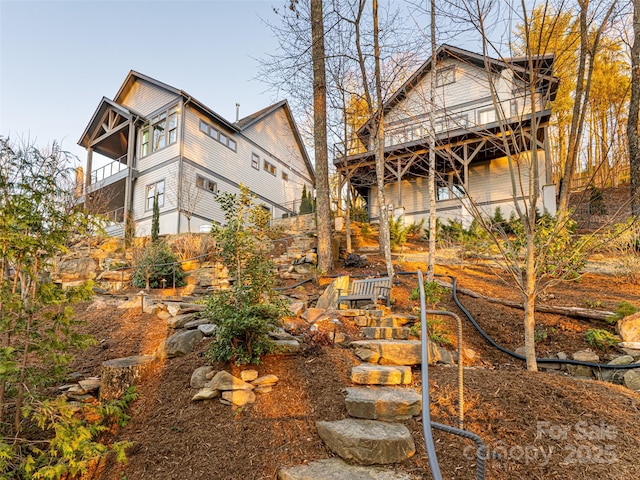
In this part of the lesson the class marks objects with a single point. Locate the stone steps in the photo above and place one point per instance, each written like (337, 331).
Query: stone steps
(383, 403)
(336, 469)
(400, 352)
(369, 374)
(367, 442)
(391, 321)
(375, 333)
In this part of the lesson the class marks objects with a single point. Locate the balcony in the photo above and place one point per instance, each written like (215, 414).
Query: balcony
(471, 117)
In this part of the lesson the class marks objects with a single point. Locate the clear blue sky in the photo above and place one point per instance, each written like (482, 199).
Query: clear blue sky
(59, 58)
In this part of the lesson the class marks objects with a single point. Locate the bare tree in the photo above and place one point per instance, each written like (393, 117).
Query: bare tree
(634, 107)
(323, 210)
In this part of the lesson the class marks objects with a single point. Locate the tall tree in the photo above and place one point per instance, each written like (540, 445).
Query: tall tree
(634, 107)
(323, 212)
(433, 226)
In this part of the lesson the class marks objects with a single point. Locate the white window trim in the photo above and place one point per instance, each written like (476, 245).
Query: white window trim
(148, 207)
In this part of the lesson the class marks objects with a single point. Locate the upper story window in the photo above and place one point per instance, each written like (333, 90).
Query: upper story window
(216, 134)
(153, 190)
(255, 161)
(445, 76)
(269, 167)
(486, 115)
(206, 184)
(160, 132)
(285, 176)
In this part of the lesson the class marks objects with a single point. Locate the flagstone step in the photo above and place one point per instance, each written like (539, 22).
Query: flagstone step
(400, 352)
(399, 333)
(367, 442)
(386, 321)
(370, 374)
(337, 469)
(383, 403)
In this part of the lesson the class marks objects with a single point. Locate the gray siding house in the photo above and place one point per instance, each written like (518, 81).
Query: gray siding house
(481, 105)
(162, 141)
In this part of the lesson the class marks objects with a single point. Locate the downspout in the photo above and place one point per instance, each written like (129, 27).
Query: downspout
(180, 160)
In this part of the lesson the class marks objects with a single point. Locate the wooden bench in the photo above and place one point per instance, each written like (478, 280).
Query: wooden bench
(372, 289)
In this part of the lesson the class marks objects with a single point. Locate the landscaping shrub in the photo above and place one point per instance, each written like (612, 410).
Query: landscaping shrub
(156, 267)
(251, 307)
(397, 232)
(601, 339)
(623, 309)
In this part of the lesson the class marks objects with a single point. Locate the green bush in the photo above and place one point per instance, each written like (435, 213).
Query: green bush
(601, 339)
(157, 268)
(252, 307)
(415, 228)
(397, 232)
(623, 309)
(433, 293)
(437, 329)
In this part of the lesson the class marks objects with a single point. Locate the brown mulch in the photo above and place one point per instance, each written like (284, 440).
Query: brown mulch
(592, 429)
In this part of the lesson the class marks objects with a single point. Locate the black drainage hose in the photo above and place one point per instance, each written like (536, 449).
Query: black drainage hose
(491, 342)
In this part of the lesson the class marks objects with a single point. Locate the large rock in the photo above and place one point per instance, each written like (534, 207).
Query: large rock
(287, 347)
(632, 379)
(583, 370)
(239, 397)
(629, 328)
(383, 403)
(179, 344)
(196, 323)
(206, 394)
(612, 375)
(367, 442)
(199, 376)
(369, 374)
(399, 352)
(225, 381)
(179, 321)
(329, 298)
(336, 469)
(75, 270)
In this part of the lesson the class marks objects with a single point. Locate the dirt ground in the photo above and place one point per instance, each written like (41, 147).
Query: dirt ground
(535, 425)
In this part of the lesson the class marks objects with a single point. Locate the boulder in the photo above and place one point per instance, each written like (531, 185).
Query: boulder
(173, 308)
(179, 344)
(297, 308)
(629, 328)
(266, 380)
(399, 352)
(180, 321)
(368, 374)
(367, 442)
(206, 394)
(75, 270)
(248, 375)
(383, 403)
(239, 398)
(196, 323)
(615, 376)
(632, 379)
(207, 329)
(114, 276)
(336, 469)
(199, 376)
(226, 382)
(329, 298)
(287, 347)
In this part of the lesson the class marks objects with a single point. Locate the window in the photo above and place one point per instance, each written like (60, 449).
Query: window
(268, 167)
(153, 190)
(255, 161)
(206, 184)
(144, 151)
(450, 186)
(160, 132)
(488, 115)
(218, 135)
(445, 76)
(285, 176)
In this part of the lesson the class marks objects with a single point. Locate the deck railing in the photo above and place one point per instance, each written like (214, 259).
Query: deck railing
(109, 169)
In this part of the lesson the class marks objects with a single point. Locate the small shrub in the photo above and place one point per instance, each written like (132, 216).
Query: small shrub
(397, 232)
(437, 329)
(415, 229)
(623, 309)
(366, 230)
(540, 334)
(601, 339)
(157, 268)
(433, 293)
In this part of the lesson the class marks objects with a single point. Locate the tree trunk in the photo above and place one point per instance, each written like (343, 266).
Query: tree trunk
(433, 225)
(385, 242)
(634, 107)
(323, 212)
(122, 373)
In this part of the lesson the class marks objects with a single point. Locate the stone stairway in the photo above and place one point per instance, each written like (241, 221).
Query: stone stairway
(376, 403)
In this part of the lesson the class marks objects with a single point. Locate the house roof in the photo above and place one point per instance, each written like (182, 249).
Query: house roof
(448, 51)
(246, 122)
(103, 106)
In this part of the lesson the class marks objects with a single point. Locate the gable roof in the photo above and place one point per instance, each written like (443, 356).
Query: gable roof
(518, 64)
(250, 120)
(103, 106)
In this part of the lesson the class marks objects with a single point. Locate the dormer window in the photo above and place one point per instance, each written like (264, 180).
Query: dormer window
(445, 76)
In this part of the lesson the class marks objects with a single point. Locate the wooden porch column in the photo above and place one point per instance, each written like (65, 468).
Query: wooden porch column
(399, 177)
(128, 187)
(87, 175)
